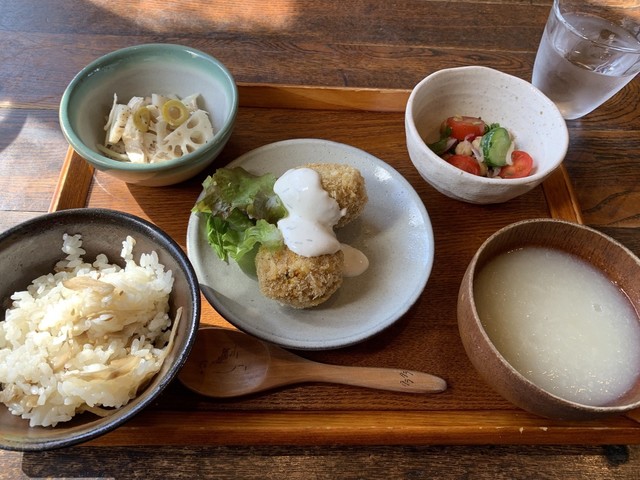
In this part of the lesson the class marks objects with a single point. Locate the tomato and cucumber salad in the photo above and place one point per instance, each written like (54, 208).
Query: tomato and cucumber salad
(476, 147)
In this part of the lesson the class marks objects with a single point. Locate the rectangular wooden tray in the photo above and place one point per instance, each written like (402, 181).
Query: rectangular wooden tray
(426, 338)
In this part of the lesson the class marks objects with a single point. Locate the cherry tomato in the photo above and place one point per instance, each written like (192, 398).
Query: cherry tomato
(521, 166)
(465, 127)
(466, 163)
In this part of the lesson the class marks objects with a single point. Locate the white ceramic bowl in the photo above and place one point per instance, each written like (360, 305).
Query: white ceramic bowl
(140, 71)
(32, 249)
(496, 97)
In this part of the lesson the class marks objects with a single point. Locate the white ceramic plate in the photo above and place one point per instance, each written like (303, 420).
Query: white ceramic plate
(394, 231)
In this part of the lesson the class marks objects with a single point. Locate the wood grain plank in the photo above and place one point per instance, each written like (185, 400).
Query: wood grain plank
(363, 428)
(359, 21)
(325, 462)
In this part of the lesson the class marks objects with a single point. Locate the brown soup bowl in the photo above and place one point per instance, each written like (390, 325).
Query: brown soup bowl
(610, 257)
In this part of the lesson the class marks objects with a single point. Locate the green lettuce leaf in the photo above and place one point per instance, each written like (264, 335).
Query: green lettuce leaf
(241, 210)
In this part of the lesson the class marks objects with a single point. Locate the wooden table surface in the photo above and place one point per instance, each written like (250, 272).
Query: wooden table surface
(339, 44)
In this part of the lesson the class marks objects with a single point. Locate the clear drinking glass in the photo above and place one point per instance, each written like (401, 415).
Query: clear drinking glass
(588, 52)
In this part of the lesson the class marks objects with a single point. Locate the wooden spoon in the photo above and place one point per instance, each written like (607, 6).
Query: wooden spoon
(229, 363)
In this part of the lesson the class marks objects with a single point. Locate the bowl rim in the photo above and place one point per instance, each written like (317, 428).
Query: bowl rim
(410, 124)
(110, 164)
(473, 270)
(131, 409)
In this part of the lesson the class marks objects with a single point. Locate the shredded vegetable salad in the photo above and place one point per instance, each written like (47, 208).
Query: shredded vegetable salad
(476, 147)
(155, 129)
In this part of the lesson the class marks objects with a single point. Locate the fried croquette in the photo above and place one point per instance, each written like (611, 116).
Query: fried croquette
(346, 185)
(296, 281)
(304, 282)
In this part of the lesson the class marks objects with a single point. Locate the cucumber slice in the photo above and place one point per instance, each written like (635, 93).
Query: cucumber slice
(496, 146)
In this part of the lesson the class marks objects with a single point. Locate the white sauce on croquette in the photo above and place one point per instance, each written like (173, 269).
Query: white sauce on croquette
(308, 228)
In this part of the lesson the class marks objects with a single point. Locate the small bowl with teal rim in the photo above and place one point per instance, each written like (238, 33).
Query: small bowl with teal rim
(167, 143)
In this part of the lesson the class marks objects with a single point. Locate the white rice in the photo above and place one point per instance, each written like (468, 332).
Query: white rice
(85, 337)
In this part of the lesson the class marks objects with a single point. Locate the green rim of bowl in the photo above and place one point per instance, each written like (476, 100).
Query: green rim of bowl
(154, 49)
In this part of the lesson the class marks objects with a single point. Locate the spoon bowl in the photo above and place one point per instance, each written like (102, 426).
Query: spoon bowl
(228, 363)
